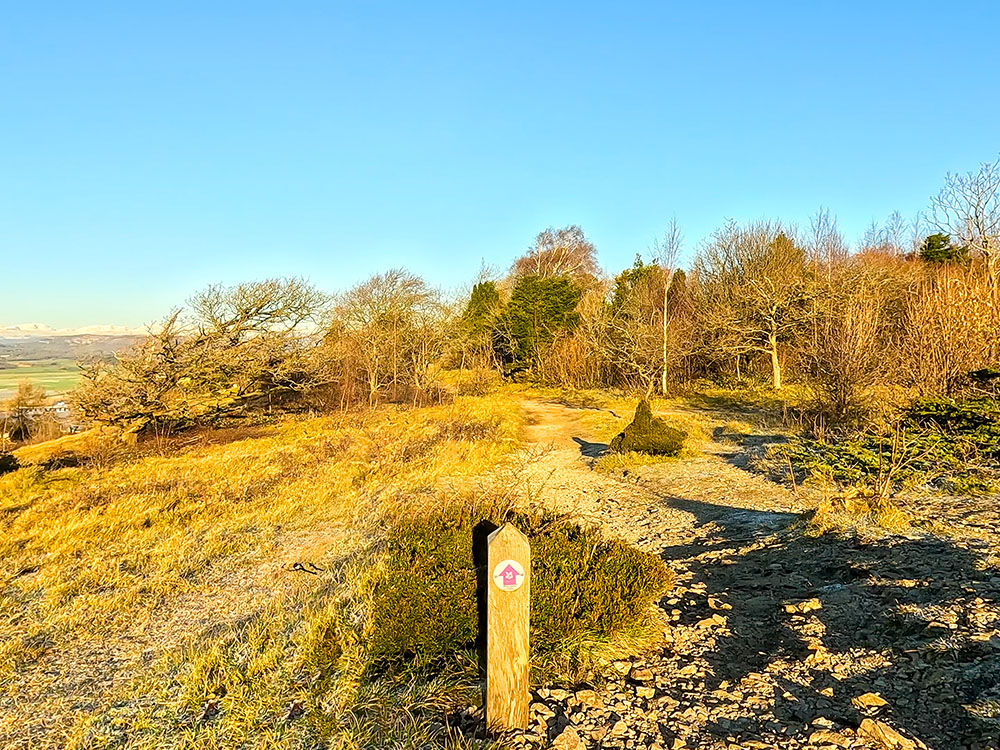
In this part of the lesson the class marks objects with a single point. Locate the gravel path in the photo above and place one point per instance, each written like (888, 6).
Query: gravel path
(772, 639)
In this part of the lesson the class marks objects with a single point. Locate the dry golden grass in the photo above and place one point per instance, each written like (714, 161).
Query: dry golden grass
(83, 443)
(188, 596)
(868, 515)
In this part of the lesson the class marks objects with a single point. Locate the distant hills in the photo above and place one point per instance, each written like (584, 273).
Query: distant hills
(35, 341)
(41, 330)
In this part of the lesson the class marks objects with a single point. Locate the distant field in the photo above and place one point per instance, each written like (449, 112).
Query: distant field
(56, 376)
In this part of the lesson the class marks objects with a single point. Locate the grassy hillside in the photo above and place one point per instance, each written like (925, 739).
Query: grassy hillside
(57, 377)
(196, 594)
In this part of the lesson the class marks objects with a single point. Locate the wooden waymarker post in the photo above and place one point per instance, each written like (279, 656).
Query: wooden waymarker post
(507, 613)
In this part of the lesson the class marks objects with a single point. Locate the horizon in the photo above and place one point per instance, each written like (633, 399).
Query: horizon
(154, 152)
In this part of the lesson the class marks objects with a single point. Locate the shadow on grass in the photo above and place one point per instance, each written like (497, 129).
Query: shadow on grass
(770, 405)
(912, 619)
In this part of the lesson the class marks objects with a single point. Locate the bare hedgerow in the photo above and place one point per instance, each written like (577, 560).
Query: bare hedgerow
(843, 356)
(949, 328)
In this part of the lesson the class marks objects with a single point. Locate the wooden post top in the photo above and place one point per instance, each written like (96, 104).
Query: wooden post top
(508, 533)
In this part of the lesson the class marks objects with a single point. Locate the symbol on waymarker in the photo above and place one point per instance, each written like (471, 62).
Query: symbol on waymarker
(508, 575)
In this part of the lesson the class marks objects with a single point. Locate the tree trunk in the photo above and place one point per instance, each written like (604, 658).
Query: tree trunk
(666, 292)
(775, 362)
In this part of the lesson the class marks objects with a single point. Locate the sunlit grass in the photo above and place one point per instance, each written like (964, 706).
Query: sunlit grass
(861, 514)
(137, 589)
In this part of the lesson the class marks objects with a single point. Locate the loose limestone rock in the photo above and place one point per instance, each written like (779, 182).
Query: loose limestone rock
(589, 698)
(641, 674)
(869, 700)
(829, 737)
(882, 735)
(568, 739)
(809, 605)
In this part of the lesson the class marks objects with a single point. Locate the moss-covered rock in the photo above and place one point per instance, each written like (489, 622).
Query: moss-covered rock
(649, 434)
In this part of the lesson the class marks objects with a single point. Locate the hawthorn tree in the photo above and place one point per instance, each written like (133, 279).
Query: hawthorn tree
(234, 351)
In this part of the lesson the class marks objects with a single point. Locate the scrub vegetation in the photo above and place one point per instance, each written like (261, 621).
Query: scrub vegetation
(259, 530)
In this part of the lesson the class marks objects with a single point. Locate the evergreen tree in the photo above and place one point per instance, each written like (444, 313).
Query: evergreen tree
(630, 282)
(539, 309)
(937, 248)
(481, 311)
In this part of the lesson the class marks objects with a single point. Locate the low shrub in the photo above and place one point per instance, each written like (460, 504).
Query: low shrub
(950, 443)
(8, 463)
(583, 586)
(649, 434)
(424, 594)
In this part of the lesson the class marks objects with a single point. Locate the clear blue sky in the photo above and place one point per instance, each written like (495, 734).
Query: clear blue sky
(146, 152)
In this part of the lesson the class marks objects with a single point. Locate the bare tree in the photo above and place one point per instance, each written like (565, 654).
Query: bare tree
(559, 252)
(826, 244)
(968, 208)
(918, 233)
(632, 335)
(239, 350)
(888, 238)
(755, 285)
(395, 328)
(873, 238)
(666, 252)
(895, 232)
(277, 305)
(846, 354)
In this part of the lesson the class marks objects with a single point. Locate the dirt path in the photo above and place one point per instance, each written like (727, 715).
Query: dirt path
(684, 501)
(775, 639)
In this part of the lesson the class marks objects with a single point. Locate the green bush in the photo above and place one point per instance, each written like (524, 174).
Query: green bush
(649, 434)
(584, 586)
(938, 248)
(424, 600)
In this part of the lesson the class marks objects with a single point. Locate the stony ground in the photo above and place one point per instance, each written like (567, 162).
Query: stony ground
(773, 638)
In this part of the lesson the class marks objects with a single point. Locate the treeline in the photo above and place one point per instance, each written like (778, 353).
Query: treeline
(915, 306)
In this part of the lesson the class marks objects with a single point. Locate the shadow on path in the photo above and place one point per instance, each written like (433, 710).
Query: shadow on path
(729, 526)
(591, 450)
(913, 619)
